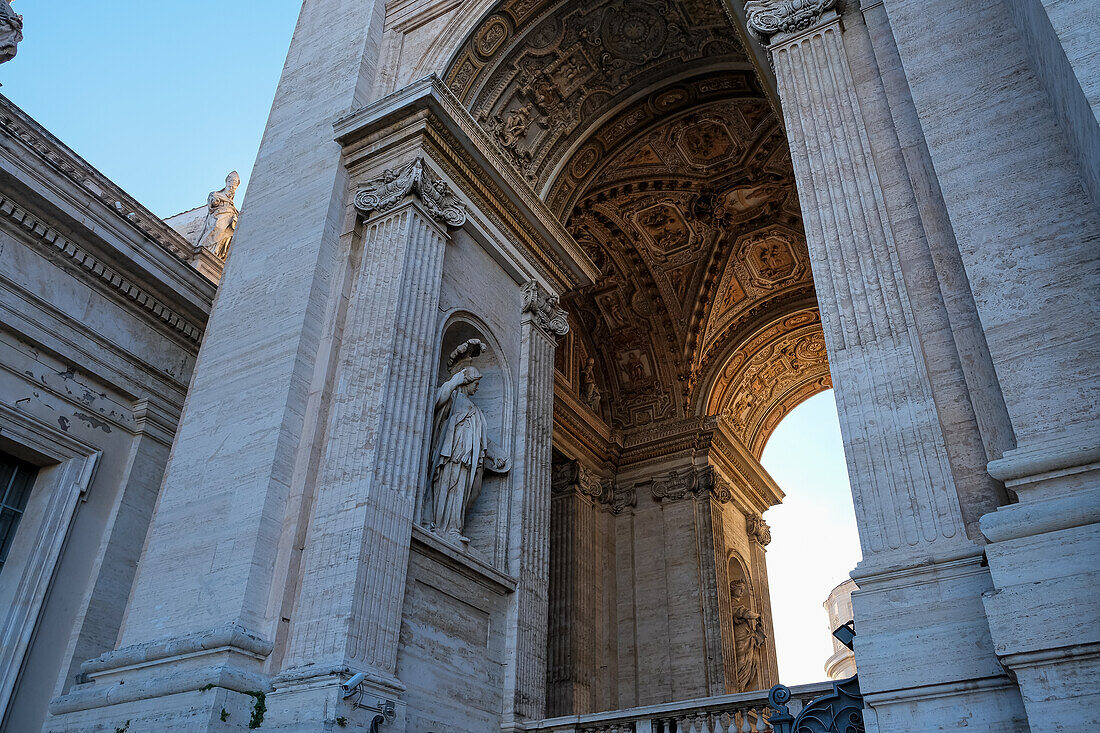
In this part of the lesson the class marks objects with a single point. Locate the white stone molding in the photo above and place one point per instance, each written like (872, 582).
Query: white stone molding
(95, 271)
(395, 184)
(767, 18)
(65, 483)
(544, 309)
(17, 124)
(229, 640)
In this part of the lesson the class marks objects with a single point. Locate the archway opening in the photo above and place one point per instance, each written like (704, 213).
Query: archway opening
(814, 540)
(647, 128)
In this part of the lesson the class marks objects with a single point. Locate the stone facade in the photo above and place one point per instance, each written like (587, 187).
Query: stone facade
(101, 323)
(653, 228)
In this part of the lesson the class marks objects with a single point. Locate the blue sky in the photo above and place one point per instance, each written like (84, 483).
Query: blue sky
(166, 98)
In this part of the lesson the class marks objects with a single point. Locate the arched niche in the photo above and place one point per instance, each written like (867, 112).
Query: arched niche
(487, 517)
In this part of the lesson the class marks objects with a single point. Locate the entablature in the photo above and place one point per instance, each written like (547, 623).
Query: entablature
(424, 119)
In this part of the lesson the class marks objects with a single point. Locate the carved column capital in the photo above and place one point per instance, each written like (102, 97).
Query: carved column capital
(767, 18)
(544, 309)
(414, 178)
(758, 529)
(699, 483)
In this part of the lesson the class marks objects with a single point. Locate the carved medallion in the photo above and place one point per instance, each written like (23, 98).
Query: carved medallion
(665, 227)
(706, 142)
(771, 258)
(491, 36)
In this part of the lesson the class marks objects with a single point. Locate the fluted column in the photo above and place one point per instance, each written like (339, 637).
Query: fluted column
(884, 400)
(525, 673)
(574, 589)
(921, 578)
(348, 615)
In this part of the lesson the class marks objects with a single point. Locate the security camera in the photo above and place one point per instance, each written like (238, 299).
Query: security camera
(352, 685)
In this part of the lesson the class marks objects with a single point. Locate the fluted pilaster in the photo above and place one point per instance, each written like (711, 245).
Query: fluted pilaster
(904, 493)
(354, 567)
(525, 675)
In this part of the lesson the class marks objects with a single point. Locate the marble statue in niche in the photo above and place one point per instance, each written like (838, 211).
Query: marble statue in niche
(590, 393)
(461, 449)
(221, 217)
(748, 635)
(11, 31)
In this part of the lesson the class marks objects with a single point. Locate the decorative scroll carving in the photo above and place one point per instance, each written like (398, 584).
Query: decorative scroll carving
(389, 189)
(570, 477)
(700, 482)
(544, 308)
(621, 498)
(758, 530)
(674, 485)
(840, 711)
(765, 18)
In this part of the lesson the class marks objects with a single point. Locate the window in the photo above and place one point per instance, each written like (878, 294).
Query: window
(16, 480)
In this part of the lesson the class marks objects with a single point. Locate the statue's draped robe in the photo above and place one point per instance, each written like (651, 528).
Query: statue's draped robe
(222, 221)
(459, 451)
(747, 641)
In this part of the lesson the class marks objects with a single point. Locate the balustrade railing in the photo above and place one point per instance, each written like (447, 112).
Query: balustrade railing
(741, 713)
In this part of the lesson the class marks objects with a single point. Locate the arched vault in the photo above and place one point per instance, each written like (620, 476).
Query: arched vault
(644, 127)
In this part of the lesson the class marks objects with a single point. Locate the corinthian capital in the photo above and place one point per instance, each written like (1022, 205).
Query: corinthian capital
(758, 529)
(767, 17)
(544, 309)
(390, 188)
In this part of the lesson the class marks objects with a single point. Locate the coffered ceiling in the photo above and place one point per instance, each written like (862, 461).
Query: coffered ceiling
(644, 127)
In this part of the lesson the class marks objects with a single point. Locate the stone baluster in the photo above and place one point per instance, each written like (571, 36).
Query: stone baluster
(355, 562)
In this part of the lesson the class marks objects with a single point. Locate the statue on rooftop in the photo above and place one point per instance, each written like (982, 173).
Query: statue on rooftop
(11, 31)
(221, 217)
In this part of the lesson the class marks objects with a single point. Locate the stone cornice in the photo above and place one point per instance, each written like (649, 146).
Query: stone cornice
(768, 18)
(19, 125)
(475, 164)
(97, 271)
(575, 424)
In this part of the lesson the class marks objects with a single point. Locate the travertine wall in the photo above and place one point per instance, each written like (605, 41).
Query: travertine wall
(944, 161)
(640, 602)
(100, 322)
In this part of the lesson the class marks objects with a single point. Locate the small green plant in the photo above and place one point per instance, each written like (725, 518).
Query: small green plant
(124, 728)
(225, 715)
(259, 707)
(342, 722)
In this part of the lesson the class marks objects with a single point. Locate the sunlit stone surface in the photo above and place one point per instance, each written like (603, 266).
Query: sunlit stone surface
(664, 224)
